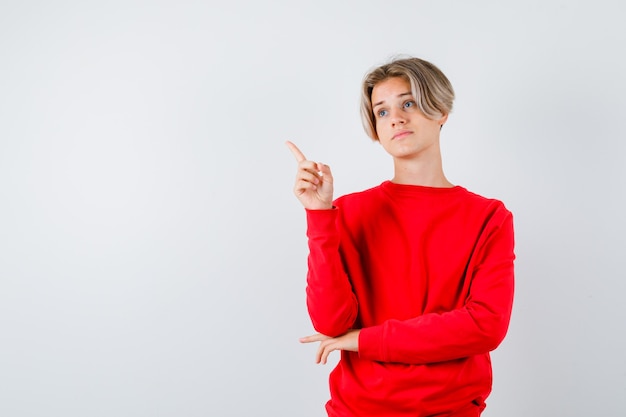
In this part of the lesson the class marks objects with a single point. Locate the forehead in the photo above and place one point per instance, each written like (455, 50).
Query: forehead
(389, 89)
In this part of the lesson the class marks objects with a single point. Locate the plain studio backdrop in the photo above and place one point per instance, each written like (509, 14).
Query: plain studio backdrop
(153, 256)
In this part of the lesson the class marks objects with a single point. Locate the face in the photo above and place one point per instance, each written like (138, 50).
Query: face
(403, 130)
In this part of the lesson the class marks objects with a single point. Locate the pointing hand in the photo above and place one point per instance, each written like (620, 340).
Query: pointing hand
(314, 182)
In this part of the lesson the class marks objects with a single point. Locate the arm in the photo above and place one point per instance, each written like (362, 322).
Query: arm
(330, 300)
(477, 327)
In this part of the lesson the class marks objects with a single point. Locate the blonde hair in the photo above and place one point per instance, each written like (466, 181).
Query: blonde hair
(431, 89)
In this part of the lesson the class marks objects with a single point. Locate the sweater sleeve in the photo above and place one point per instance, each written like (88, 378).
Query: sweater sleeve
(477, 327)
(331, 302)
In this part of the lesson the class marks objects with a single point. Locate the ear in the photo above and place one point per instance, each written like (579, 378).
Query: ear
(442, 120)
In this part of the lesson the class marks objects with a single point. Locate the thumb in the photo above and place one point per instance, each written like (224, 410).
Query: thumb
(325, 171)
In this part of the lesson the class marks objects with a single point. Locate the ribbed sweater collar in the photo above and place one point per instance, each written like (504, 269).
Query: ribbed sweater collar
(415, 190)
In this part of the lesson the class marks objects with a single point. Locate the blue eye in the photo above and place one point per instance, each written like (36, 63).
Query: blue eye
(382, 113)
(409, 103)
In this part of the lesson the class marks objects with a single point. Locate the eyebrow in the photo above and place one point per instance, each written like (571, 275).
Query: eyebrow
(399, 95)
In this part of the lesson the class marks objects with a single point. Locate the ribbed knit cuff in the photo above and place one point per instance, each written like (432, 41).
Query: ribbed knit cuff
(321, 222)
(370, 344)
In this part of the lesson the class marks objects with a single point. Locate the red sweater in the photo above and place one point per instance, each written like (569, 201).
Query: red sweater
(427, 275)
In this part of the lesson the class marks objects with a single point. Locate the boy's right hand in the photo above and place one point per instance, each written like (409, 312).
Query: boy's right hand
(314, 182)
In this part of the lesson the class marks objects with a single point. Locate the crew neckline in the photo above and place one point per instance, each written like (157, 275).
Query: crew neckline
(418, 189)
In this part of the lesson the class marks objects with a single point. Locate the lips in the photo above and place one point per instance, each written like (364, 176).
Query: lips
(401, 134)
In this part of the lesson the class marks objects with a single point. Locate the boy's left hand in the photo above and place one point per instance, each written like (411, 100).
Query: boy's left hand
(348, 341)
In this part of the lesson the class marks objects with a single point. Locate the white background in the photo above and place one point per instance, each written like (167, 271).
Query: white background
(153, 257)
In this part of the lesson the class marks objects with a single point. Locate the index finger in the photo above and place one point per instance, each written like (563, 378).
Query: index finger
(296, 152)
(314, 338)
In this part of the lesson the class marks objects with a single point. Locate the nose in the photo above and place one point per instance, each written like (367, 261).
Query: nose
(397, 117)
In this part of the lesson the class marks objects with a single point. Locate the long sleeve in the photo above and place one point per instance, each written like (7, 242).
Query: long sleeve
(331, 302)
(478, 326)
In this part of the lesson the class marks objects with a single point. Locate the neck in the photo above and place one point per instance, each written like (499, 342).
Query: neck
(427, 172)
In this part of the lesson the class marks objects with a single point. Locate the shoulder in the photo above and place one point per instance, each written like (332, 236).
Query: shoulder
(356, 206)
(478, 199)
(489, 208)
(359, 197)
